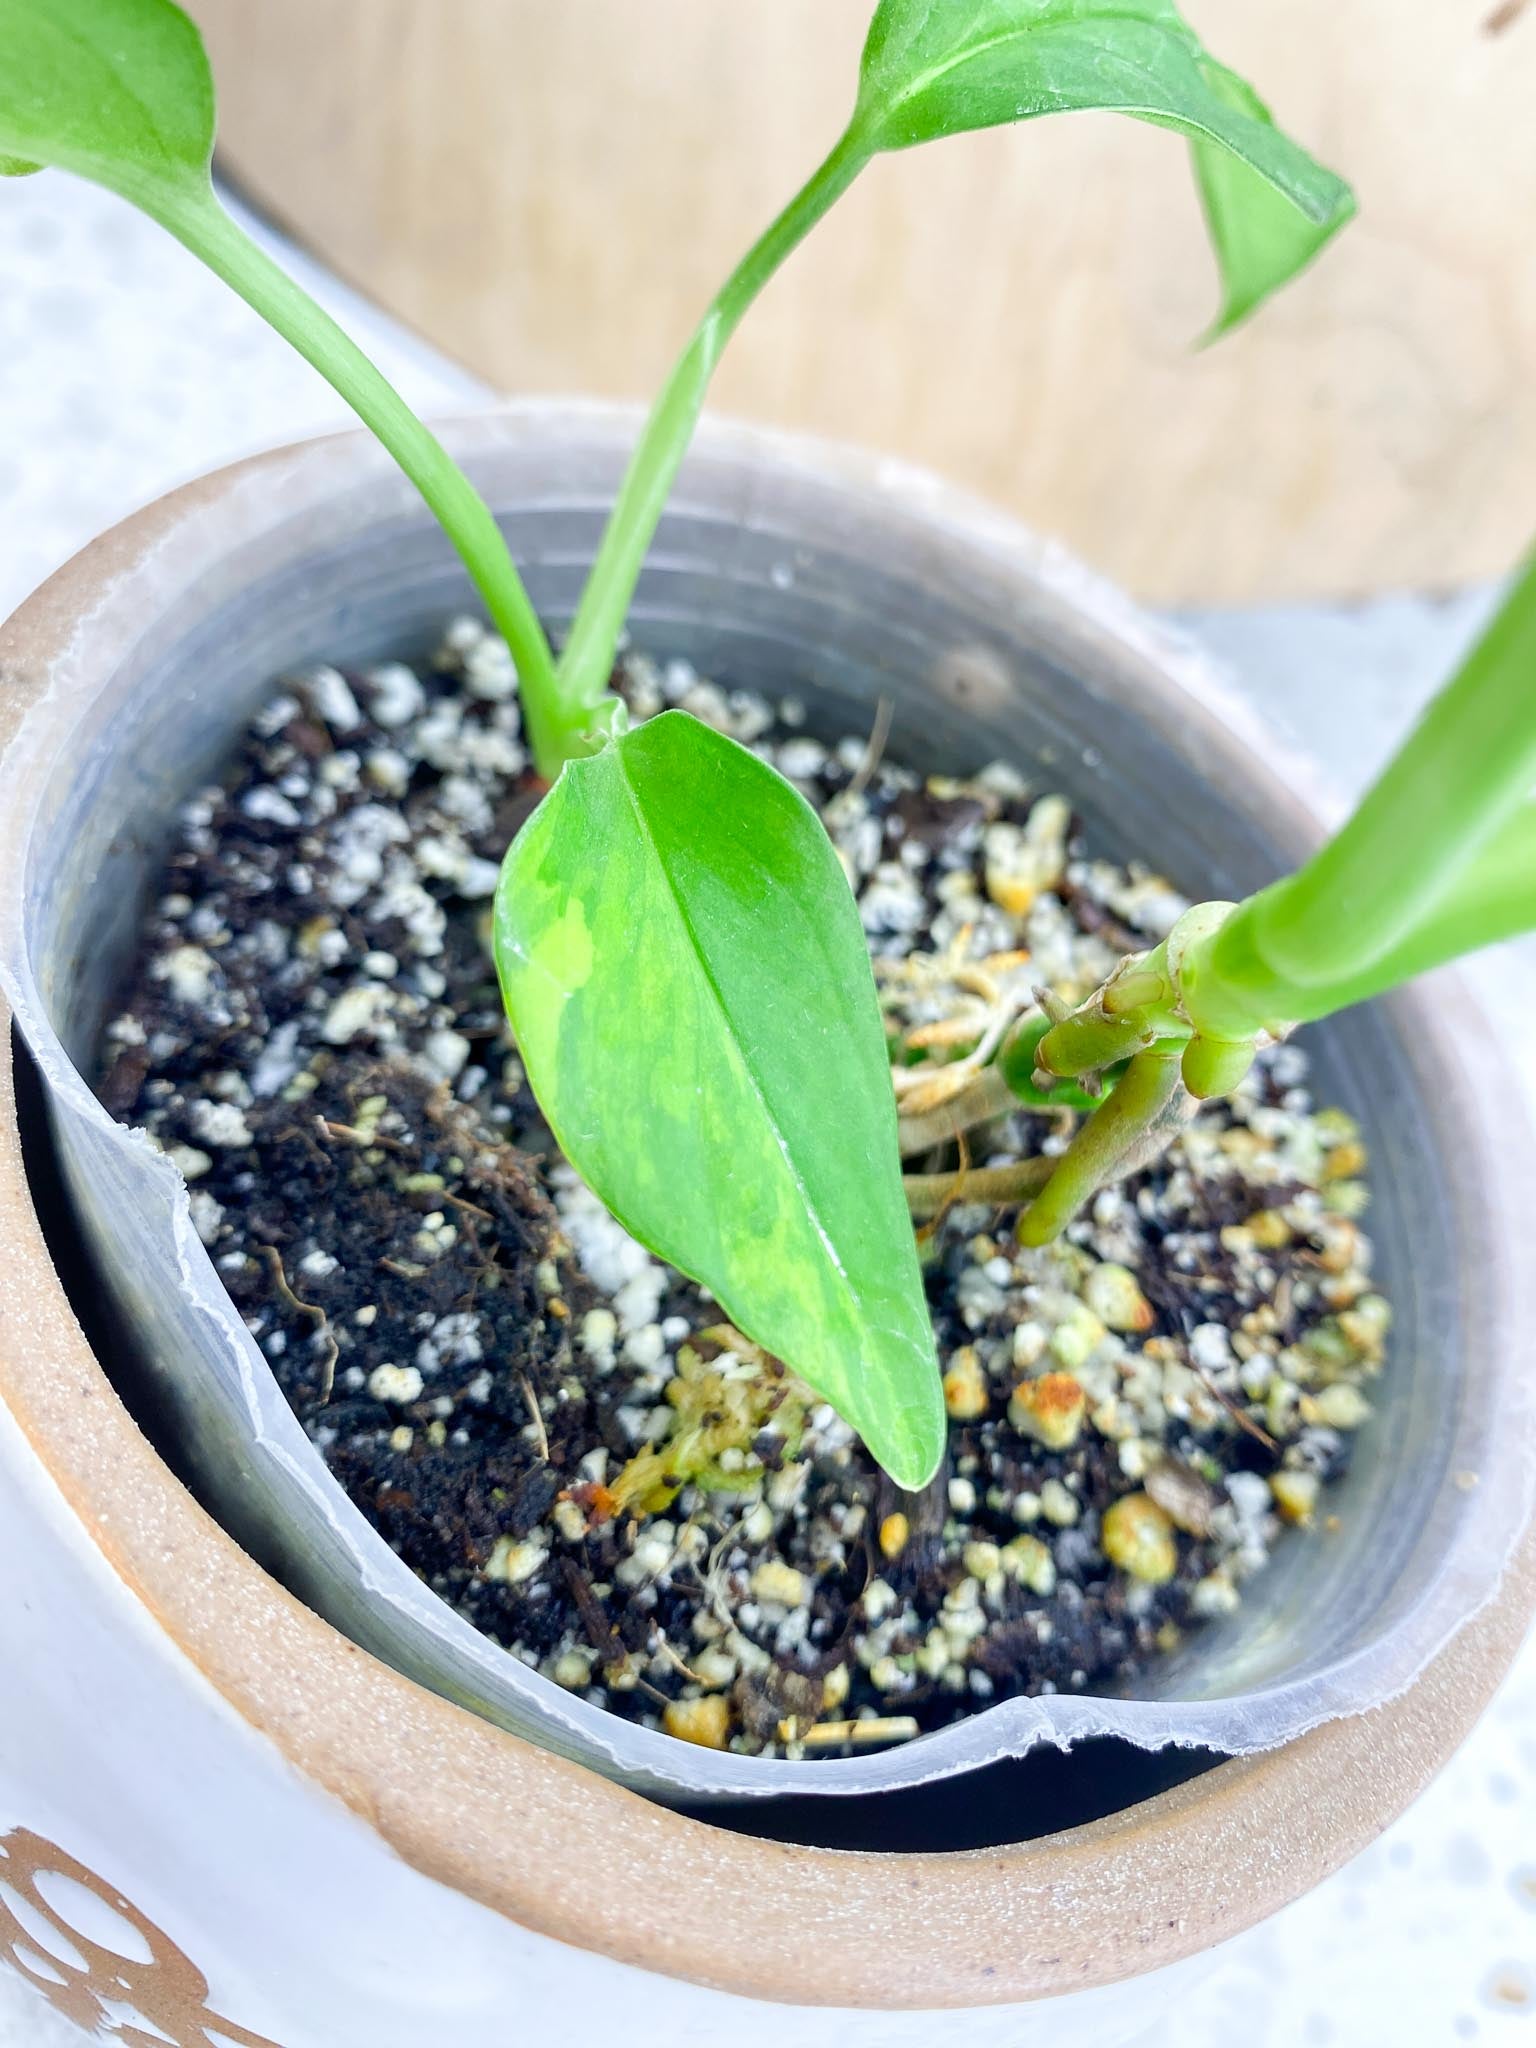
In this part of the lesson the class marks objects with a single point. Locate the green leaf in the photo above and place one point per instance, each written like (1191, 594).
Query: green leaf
(933, 68)
(1261, 240)
(938, 67)
(684, 968)
(116, 90)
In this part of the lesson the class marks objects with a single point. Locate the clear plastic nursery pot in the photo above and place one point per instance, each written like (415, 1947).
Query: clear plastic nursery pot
(316, 1850)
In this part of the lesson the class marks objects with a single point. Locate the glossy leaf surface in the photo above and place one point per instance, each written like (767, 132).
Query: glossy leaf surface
(116, 90)
(685, 970)
(1260, 238)
(933, 68)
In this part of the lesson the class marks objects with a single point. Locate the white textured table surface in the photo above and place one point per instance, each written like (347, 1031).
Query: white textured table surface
(126, 370)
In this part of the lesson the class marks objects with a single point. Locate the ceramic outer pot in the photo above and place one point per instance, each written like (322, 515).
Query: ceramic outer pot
(301, 1847)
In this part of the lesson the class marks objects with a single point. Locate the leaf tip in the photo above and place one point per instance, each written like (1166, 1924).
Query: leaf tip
(1239, 306)
(1232, 314)
(912, 1452)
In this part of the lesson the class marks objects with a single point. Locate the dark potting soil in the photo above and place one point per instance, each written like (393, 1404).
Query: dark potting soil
(557, 1433)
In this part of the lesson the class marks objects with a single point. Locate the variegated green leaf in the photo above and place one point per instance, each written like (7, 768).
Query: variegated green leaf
(684, 968)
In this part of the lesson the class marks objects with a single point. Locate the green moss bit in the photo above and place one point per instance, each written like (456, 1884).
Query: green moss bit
(726, 1392)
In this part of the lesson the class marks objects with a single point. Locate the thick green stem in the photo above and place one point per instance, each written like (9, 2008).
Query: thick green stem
(1228, 986)
(1439, 860)
(587, 659)
(555, 719)
(1493, 899)
(1507, 864)
(1468, 764)
(1231, 984)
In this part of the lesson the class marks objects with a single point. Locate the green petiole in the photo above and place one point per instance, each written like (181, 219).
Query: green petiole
(197, 220)
(588, 653)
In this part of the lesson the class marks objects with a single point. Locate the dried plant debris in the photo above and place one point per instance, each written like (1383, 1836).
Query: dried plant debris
(558, 1433)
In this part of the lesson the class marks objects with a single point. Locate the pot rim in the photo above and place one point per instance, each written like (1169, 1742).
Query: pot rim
(600, 1867)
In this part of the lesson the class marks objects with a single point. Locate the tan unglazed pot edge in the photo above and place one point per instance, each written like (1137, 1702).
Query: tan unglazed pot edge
(567, 1854)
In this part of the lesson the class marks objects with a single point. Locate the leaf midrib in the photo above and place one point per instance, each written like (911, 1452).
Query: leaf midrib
(97, 66)
(718, 995)
(925, 79)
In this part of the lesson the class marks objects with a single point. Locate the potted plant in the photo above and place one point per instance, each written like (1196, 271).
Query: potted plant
(326, 522)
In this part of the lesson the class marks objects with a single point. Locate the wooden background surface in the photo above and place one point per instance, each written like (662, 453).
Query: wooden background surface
(551, 189)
